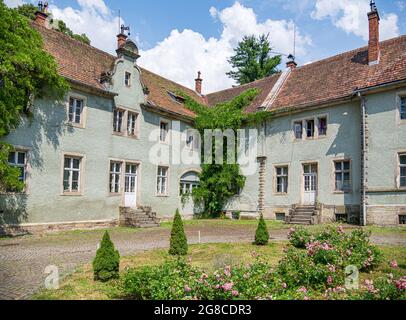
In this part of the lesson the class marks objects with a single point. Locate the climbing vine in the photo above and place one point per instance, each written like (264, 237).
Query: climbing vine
(220, 182)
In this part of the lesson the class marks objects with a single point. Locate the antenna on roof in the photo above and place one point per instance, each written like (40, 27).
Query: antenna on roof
(294, 40)
(119, 20)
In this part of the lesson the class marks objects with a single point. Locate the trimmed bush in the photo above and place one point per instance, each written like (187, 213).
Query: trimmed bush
(178, 243)
(106, 264)
(299, 237)
(262, 234)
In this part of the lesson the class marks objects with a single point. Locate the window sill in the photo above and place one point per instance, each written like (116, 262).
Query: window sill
(75, 125)
(280, 194)
(72, 194)
(342, 192)
(162, 195)
(112, 195)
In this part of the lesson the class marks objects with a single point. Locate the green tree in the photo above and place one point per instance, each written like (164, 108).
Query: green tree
(262, 234)
(178, 242)
(27, 72)
(28, 10)
(252, 60)
(106, 264)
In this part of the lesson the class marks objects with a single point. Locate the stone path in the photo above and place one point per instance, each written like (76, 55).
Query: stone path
(23, 260)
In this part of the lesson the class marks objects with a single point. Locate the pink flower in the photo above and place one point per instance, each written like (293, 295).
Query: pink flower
(284, 285)
(234, 293)
(330, 280)
(340, 229)
(302, 289)
(394, 264)
(187, 289)
(227, 271)
(331, 268)
(227, 286)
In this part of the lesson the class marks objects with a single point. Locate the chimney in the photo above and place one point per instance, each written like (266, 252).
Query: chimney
(373, 44)
(291, 62)
(198, 82)
(121, 40)
(42, 14)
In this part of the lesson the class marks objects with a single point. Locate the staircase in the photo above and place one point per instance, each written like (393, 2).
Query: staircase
(142, 217)
(301, 215)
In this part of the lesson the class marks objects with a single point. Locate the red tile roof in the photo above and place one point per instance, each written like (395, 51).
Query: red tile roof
(333, 78)
(85, 64)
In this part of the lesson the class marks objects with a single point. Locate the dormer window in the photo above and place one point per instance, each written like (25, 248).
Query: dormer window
(176, 97)
(127, 79)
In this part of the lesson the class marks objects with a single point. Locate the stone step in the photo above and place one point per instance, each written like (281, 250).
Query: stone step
(301, 222)
(147, 225)
(302, 216)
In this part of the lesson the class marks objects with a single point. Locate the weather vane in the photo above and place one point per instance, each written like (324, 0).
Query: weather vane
(124, 29)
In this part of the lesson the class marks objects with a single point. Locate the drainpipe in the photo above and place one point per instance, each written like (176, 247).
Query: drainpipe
(364, 159)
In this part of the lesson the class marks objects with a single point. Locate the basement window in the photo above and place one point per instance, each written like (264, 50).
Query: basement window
(280, 216)
(402, 219)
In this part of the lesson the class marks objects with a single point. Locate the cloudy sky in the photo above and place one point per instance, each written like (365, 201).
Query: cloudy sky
(177, 38)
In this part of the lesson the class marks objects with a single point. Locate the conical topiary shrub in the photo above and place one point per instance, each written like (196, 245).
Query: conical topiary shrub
(106, 264)
(262, 234)
(178, 244)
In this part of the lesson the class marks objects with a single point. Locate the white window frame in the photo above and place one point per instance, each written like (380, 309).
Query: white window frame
(16, 164)
(318, 126)
(307, 128)
(76, 97)
(162, 180)
(113, 174)
(70, 169)
(127, 79)
(342, 171)
(400, 166)
(167, 131)
(133, 125)
(402, 108)
(295, 131)
(116, 118)
(192, 139)
(304, 127)
(284, 176)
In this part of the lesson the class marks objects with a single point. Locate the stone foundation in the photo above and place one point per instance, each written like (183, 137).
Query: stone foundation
(385, 215)
(24, 229)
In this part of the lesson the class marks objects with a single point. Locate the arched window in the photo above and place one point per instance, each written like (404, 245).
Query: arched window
(188, 182)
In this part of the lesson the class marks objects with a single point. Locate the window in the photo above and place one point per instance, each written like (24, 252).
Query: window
(75, 110)
(282, 179)
(298, 128)
(310, 128)
(132, 124)
(403, 108)
(322, 126)
(402, 163)
(176, 97)
(192, 139)
(342, 175)
(402, 219)
(71, 174)
(162, 180)
(18, 159)
(118, 120)
(127, 79)
(280, 216)
(115, 177)
(164, 129)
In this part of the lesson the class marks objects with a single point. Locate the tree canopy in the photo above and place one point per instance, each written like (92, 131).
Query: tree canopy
(26, 72)
(252, 60)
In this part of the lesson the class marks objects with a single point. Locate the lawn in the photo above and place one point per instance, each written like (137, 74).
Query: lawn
(80, 285)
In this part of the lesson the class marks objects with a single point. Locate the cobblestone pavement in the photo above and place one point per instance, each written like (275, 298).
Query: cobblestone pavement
(23, 260)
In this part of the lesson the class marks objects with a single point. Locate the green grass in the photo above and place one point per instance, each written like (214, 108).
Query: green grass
(80, 285)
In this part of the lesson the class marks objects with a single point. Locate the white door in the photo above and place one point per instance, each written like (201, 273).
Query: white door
(310, 184)
(130, 195)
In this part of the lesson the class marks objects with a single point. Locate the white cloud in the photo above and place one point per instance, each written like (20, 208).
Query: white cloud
(13, 3)
(94, 19)
(183, 53)
(351, 16)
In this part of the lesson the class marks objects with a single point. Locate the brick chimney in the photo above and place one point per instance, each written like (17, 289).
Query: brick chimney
(121, 40)
(42, 14)
(198, 83)
(373, 44)
(291, 62)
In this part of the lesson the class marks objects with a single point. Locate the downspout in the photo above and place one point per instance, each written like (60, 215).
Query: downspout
(364, 159)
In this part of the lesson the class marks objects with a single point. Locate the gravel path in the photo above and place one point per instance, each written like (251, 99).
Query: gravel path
(23, 260)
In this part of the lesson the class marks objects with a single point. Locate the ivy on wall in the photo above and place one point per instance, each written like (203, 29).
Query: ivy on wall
(220, 182)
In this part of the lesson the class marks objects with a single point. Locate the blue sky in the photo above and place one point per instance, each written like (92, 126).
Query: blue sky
(179, 37)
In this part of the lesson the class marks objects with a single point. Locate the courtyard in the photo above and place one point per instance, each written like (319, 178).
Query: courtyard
(23, 260)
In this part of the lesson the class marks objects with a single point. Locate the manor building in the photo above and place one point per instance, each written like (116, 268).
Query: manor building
(335, 147)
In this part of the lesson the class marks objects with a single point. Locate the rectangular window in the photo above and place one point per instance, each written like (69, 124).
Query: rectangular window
(75, 110)
(118, 120)
(132, 124)
(282, 179)
(192, 140)
(162, 181)
(298, 129)
(403, 108)
(71, 174)
(164, 127)
(322, 126)
(18, 159)
(402, 219)
(310, 128)
(342, 175)
(127, 79)
(402, 163)
(115, 177)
